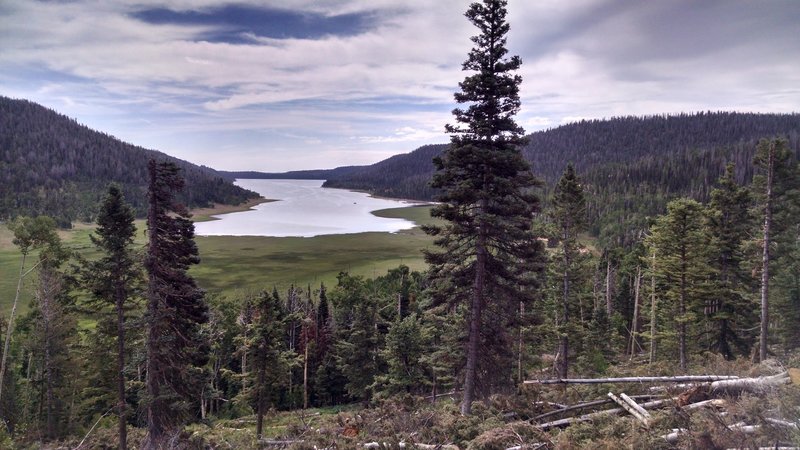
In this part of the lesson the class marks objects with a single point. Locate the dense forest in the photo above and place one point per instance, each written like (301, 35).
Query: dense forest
(632, 166)
(50, 164)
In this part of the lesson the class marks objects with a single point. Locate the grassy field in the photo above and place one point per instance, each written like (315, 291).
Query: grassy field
(239, 264)
(230, 265)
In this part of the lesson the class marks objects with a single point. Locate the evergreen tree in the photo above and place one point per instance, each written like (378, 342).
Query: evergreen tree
(778, 188)
(357, 341)
(268, 347)
(680, 240)
(328, 380)
(112, 280)
(730, 223)
(569, 210)
(486, 248)
(175, 308)
(52, 340)
(403, 353)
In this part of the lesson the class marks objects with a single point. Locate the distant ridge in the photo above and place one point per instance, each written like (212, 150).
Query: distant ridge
(50, 164)
(316, 174)
(631, 166)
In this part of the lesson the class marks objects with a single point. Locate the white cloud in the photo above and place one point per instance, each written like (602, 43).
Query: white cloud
(391, 87)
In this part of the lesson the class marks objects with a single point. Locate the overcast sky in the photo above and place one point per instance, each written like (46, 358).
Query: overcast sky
(249, 86)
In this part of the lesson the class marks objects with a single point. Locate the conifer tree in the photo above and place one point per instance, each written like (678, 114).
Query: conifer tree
(730, 222)
(680, 240)
(403, 354)
(112, 280)
(271, 357)
(569, 210)
(51, 342)
(175, 308)
(778, 187)
(357, 341)
(486, 248)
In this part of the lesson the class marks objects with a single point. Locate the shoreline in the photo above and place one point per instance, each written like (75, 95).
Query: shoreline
(206, 214)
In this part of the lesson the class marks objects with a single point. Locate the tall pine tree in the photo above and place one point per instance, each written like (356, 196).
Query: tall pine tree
(732, 309)
(569, 211)
(681, 242)
(175, 308)
(486, 248)
(112, 280)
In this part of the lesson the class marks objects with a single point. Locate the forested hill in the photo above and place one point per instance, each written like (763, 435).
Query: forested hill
(50, 164)
(314, 174)
(630, 166)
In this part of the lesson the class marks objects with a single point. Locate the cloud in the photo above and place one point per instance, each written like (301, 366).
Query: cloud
(361, 79)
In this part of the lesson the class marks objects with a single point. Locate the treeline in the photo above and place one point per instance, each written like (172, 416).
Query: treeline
(54, 166)
(632, 166)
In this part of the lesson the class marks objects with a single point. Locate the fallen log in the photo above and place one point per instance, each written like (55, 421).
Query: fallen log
(713, 402)
(635, 405)
(669, 379)
(634, 411)
(415, 445)
(755, 385)
(589, 405)
(673, 437)
(279, 443)
(608, 412)
(535, 446)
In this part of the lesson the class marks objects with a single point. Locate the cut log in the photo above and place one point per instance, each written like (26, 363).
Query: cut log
(534, 446)
(415, 445)
(713, 402)
(672, 379)
(589, 405)
(635, 405)
(634, 411)
(755, 385)
(278, 442)
(595, 415)
(673, 437)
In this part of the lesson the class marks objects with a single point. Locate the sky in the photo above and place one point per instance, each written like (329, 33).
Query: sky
(299, 84)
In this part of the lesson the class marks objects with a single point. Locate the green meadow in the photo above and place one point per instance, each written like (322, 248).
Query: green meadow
(232, 265)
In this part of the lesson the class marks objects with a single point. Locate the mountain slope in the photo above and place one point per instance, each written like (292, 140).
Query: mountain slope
(630, 166)
(50, 164)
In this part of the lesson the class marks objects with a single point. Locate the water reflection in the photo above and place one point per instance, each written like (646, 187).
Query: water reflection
(305, 209)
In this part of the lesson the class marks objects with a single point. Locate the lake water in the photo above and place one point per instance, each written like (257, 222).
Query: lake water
(304, 208)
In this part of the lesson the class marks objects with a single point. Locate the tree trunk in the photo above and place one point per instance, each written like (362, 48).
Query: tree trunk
(653, 311)
(476, 309)
(262, 369)
(635, 321)
(563, 342)
(762, 348)
(609, 309)
(665, 379)
(519, 353)
(682, 312)
(123, 432)
(156, 432)
(305, 374)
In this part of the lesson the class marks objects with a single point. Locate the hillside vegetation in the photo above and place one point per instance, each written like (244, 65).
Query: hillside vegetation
(630, 166)
(50, 164)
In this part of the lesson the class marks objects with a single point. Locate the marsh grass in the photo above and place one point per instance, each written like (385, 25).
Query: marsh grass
(232, 265)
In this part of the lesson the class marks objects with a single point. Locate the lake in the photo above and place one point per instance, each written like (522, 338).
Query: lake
(305, 209)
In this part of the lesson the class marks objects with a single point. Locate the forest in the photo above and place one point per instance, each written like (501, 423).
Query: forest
(685, 270)
(52, 165)
(631, 166)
